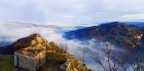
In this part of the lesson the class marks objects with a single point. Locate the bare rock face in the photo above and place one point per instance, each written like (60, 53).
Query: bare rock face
(75, 64)
(32, 40)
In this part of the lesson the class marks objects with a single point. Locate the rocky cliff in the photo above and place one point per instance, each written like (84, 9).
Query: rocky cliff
(57, 59)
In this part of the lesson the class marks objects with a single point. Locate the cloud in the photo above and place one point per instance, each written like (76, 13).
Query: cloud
(15, 30)
(71, 11)
(134, 16)
(68, 16)
(58, 24)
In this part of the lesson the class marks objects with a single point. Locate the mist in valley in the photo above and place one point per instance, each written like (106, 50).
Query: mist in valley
(86, 51)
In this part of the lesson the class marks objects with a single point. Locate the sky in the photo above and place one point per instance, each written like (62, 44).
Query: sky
(72, 12)
(65, 13)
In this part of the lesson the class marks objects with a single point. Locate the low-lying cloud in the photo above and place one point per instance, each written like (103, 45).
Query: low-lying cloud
(13, 31)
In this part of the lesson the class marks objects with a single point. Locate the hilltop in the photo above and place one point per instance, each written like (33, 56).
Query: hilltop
(118, 33)
(56, 57)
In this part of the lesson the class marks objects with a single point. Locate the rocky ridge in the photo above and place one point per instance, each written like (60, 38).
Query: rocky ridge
(56, 58)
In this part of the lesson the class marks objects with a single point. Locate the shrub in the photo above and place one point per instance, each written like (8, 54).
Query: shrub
(54, 58)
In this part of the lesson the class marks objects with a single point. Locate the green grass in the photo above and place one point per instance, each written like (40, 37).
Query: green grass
(7, 63)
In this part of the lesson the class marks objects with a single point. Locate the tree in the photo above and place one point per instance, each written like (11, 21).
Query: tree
(64, 47)
(116, 63)
(84, 51)
(2, 40)
(1, 49)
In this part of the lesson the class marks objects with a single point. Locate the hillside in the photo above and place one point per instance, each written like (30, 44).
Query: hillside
(57, 59)
(121, 34)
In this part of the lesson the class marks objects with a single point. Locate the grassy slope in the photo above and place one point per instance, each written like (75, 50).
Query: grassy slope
(6, 63)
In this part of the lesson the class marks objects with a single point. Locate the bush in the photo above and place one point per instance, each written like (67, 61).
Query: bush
(53, 58)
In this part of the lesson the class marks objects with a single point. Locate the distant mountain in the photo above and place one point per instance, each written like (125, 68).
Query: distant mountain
(118, 33)
(36, 25)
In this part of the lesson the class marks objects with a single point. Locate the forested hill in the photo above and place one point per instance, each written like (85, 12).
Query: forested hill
(118, 33)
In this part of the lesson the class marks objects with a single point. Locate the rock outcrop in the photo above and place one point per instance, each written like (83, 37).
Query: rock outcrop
(57, 59)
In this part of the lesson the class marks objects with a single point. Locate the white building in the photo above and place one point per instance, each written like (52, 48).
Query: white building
(30, 58)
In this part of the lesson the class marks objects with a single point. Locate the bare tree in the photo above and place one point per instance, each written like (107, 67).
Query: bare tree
(2, 40)
(64, 47)
(116, 63)
(110, 58)
(84, 51)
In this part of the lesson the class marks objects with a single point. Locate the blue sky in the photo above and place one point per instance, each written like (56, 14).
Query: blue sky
(71, 12)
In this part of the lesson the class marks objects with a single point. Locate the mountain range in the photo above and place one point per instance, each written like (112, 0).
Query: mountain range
(126, 35)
